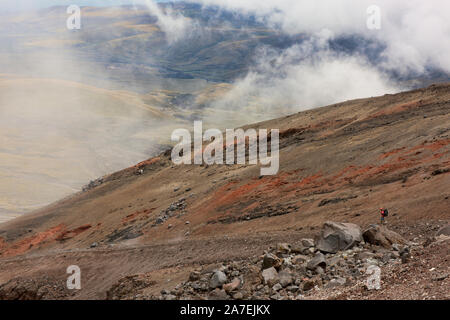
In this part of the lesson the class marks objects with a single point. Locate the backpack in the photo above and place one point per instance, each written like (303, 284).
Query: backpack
(386, 212)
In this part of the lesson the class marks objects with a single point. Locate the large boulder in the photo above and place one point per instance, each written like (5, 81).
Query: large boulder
(337, 236)
(382, 236)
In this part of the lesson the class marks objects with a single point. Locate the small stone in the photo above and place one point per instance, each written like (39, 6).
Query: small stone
(232, 286)
(270, 276)
(238, 296)
(217, 279)
(299, 259)
(218, 294)
(317, 261)
(308, 285)
(319, 270)
(285, 278)
(440, 277)
(292, 288)
(276, 296)
(194, 276)
(284, 248)
(338, 282)
(308, 243)
(271, 260)
(277, 287)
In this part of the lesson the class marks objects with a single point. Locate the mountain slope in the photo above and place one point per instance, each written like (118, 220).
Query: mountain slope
(340, 162)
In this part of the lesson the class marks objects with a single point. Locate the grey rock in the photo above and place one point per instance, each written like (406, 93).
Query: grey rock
(292, 288)
(276, 296)
(338, 282)
(284, 248)
(270, 260)
(336, 236)
(444, 230)
(300, 259)
(364, 255)
(277, 287)
(318, 261)
(307, 243)
(382, 236)
(319, 270)
(218, 294)
(217, 279)
(440, 277)
(270, 276)
(285, 278)
(405, 254)
(238, 296)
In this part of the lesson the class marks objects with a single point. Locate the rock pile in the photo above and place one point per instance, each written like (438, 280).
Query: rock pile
(339, 256)
(177, 208)
(93, 184)
(45, 288)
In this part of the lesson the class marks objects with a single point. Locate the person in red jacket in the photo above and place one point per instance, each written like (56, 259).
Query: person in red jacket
(384, 213)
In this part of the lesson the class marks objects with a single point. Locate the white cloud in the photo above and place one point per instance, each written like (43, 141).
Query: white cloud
(175, 26)
(416, 33)
(280, 83)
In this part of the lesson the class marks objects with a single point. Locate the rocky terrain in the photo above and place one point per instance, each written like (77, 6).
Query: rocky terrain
(156, 230)
(337, 265)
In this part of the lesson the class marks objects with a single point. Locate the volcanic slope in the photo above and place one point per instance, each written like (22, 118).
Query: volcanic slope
(340, 162)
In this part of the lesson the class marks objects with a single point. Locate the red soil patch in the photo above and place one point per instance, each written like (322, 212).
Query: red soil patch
(390, 153)
(225, 196)
(69, 234)
(33, 241)
(135, 215)
(435, 146)
(145, 163)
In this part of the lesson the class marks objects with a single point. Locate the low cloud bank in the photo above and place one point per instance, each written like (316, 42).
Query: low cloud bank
(305, 76)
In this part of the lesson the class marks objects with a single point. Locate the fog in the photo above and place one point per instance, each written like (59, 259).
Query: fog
(67, 116)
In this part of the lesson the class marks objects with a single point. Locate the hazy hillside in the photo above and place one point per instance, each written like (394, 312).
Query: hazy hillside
(132, 70)
(57, 135)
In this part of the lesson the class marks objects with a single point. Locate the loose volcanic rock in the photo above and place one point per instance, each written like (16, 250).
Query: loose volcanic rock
(336, 236)
(381, 236)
